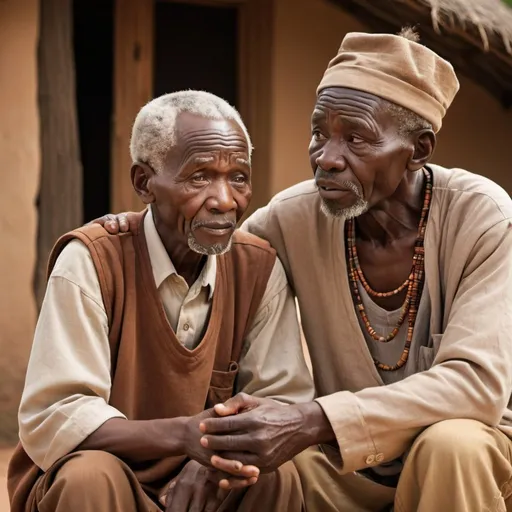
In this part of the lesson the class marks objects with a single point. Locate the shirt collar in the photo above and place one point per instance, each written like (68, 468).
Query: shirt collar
(161, 263)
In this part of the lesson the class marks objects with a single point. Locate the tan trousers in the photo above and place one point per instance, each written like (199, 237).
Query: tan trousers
(453, 466)
(96, 481)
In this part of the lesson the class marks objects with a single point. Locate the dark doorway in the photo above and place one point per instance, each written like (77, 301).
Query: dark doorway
(93, 24)
(196, 48)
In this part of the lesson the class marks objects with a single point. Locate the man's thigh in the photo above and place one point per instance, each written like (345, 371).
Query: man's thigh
(278, 491)
(326, 489)
(457, 465)
(90, 481)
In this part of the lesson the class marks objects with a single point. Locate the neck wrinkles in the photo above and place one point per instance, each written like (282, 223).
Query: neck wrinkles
(396, 217)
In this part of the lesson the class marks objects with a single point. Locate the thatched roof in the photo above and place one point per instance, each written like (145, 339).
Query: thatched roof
(474, 35)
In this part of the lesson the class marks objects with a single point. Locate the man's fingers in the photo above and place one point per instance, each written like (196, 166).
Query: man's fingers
(247, 459)
(234, 404)
(224, 425)
(167, 497)
(110, 223)
(214, 502)
(237, 483)
(231, 443)
(198, 499)
(233, 467)
(124, 225)
(114, 223)
(227, 481)
(178, 500)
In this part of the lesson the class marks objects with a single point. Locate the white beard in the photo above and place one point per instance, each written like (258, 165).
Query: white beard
(212, 250)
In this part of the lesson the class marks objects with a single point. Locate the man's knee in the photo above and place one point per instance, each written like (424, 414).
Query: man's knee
(460, 438)
(90, 470)
(88, 481)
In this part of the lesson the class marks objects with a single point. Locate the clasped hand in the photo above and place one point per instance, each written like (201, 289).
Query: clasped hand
(255, 432)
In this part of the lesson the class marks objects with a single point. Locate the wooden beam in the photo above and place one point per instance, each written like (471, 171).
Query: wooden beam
(133, 87)
(255, 91)
(59, 201)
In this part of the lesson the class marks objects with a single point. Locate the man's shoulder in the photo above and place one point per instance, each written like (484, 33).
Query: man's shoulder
(89, 239)
(93, 245)
(74, 266)
(464, 191)
(289, 203)
(296, 194)
(71, 259)
(245, 239)
(252, 258)
(294, 209)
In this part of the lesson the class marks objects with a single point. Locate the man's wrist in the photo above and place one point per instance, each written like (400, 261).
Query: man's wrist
(173, 435)
(316, 424)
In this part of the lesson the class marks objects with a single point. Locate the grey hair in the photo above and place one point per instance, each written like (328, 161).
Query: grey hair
(154, 129)
(408, 121)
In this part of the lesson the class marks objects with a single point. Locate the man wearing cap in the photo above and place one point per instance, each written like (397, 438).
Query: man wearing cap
(403, 273)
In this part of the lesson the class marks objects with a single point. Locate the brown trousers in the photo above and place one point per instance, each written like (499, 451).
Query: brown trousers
(96, 481)
(453, 466)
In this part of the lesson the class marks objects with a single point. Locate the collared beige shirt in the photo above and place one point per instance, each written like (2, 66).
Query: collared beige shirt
(68, 384)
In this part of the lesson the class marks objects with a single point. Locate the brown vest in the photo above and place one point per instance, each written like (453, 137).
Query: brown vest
(153, 374)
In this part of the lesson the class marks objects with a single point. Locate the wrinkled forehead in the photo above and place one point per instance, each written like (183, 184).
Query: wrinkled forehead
(194, 132)
(343, 97)
(351, 103)
(197, 137)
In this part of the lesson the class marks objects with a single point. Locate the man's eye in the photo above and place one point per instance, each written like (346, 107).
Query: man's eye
(198, 179)
(317, 135)
(240, 179)
(355, 139)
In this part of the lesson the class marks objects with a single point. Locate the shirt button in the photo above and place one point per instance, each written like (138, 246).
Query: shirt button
(370, 460)
(186, 327)
(379, 457)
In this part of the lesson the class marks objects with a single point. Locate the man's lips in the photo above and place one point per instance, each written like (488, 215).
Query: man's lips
(332, 190)
(329, 186)
(217, 228)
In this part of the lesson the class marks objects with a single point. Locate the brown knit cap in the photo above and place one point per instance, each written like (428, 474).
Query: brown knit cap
(396, 69)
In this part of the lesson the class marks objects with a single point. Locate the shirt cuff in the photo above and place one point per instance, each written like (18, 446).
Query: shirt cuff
(356, 445)
(77, 428)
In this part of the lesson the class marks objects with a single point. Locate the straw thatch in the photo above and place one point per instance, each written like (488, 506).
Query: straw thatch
(475, 35)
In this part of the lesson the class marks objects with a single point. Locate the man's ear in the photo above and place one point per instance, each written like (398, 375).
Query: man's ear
(142, 174)
(424, 144)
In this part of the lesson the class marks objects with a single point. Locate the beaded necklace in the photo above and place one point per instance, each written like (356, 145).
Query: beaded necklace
(414, 283)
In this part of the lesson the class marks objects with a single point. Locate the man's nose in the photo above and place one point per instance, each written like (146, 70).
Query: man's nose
(332, 157)
(221, 199)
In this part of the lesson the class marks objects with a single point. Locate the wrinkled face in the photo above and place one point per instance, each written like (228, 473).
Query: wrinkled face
(205, 187)
(356, 152)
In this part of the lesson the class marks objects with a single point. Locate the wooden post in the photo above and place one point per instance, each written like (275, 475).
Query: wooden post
(60, 191)
(133, 87)
(255, 91)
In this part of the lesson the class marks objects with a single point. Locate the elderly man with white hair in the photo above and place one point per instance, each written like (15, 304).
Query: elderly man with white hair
(140, 334)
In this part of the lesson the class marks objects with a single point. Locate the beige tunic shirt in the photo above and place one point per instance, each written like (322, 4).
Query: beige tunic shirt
(463, 369)
(68, 378)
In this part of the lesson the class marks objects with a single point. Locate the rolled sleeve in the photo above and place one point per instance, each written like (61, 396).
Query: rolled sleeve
(67, 387)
